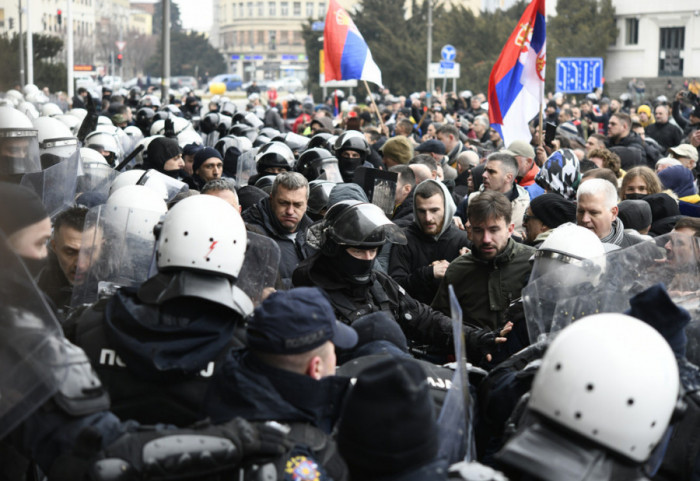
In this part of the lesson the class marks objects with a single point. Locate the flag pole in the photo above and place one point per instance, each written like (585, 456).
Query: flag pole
(379, 114)
(541, 139)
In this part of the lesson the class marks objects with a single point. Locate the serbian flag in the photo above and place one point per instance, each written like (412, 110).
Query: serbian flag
(346, 54)
(516, 84)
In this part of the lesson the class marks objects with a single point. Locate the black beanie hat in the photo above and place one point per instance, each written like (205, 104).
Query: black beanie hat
(21, 208)
(553, 210)
(634, 214)
(160, 150)
(388, 422)
(203, 155)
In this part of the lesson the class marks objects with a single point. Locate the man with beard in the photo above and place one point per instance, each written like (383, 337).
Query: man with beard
(433, 242)
(491, 276)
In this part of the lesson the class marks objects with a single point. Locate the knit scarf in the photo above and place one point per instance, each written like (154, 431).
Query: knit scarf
(616, 232)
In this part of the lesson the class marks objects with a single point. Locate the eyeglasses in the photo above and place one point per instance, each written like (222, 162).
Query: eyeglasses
(527, 217)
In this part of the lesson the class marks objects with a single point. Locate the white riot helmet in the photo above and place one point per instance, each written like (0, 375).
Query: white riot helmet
(139, 177)
(15, 96)
(106, 144)
(612, 379)
(70, 121)
(50, 109)
(19, 144)
(135, 135)
(569, 244)
(203, 233)
(179, 125)
(187, 137)
(78, 113)
(104, 120)
(91, 156)
(56, 141)
(137, 197)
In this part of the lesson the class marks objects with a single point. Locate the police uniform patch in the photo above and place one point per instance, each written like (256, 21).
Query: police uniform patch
(301, 468)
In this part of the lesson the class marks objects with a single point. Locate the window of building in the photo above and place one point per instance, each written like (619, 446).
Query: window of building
(284, 37)
(261, 38)
(297, 9)
(321, 9)
(261, 9)
(631, 31)
(241, 11)
(297, 38)
(272, 9)
(284, 9)
(309, 9)
(671, 46)
(250, 9)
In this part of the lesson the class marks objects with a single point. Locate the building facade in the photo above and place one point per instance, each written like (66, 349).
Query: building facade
(262, 39)
(656, 39)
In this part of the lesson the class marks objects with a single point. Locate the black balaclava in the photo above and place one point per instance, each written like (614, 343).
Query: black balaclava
(357, 271)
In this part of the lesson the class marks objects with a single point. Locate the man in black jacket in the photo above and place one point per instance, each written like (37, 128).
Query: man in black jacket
(664, 132)
(621, 135)
(283, 218)
(433, 242)
(348, 238)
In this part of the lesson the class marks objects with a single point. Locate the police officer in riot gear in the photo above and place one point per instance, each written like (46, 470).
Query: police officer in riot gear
(352, 150)
(600, 404)
(155, 346)
(348, 238)
(54, 409)
(19, 145)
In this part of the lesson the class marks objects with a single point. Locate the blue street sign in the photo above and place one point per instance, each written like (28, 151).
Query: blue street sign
(579, 75)
(449, 53)
(447, 65)
(235, 57)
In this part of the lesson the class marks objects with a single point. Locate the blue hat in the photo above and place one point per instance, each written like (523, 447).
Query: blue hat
(203, 155)
(433, 146)
(296, 321)
(191, 149)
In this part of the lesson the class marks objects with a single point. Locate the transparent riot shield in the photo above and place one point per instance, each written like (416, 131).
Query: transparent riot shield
(606, 284)
(331, 172)
(31, 344)
(56, 185)
(117, 248)
(379, 185)
(96, 177)
(260, 266)
(246, 167)
(455, 419)
(157, 181)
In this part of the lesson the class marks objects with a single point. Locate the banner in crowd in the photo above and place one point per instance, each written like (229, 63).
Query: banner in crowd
(516, 84)
(346, 54)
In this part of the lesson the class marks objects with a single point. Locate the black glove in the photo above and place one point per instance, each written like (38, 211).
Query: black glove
(169, 129)
(480, 342)
(256, 438)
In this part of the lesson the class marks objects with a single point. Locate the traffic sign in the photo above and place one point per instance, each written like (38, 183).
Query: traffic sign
(447, 65)
(436, 71)
(579, 75)
(449, 53)
(120, 45)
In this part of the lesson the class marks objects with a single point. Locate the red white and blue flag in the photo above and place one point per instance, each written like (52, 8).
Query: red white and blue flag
(516, 84)
(346, 54)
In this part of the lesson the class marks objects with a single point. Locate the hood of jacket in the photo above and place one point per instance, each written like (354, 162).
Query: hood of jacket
(448, 204)
(177, 338)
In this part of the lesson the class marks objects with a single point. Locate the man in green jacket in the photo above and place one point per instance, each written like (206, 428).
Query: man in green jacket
(487, 279)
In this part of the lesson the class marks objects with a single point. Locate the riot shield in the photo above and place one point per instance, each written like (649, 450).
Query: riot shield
(247, 167)
(331, 172)
(56, 185)
(117, 247)
(379, 185)
(456, 430)
(96, 177)
(31, 344)
(260, 266)
(606, 284)
(156, 180)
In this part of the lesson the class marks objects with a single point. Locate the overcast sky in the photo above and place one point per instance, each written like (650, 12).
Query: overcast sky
(196, 14)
